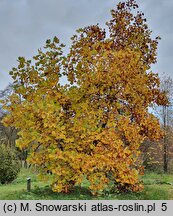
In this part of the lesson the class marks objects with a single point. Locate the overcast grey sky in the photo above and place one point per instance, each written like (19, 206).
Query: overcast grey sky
(26, 24)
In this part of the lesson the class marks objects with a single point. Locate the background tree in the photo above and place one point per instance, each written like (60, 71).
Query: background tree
(167, 118)
(158, 155)
(7, 134)
(93, 126)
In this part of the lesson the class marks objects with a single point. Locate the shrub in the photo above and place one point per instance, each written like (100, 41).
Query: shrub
(9, 164)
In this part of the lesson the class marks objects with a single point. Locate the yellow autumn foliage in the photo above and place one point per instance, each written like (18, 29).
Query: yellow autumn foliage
(93, 126)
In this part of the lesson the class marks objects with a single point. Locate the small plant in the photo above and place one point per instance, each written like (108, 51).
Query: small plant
(9, 164)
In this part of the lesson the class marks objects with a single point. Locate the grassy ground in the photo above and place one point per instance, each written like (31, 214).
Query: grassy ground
(157, 187)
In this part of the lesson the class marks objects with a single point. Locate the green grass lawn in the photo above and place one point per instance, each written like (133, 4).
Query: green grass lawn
(157, 187)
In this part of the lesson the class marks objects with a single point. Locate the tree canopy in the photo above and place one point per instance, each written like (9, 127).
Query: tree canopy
(91, 127)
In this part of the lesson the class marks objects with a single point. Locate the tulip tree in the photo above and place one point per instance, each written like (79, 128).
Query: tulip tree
(91, 127)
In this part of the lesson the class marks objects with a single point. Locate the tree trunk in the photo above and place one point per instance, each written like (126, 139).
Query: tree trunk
(165, 141)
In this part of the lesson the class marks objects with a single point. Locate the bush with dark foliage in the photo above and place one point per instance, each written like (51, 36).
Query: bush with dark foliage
(9, 165)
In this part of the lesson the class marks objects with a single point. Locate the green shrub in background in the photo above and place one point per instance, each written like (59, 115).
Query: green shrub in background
(9, 164)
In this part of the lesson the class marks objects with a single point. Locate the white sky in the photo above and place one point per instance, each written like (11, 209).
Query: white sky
(26, 24)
